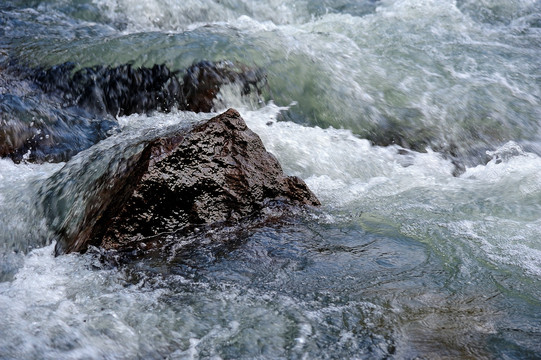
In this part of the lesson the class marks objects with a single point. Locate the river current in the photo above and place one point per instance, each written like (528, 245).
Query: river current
(428, 247)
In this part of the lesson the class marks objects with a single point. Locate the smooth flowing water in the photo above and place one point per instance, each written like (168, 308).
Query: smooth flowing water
(427, 248)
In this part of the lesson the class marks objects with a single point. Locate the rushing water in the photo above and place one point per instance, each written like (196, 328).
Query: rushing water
(404, 259)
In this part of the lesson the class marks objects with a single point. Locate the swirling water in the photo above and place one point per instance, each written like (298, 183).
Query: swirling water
(404, 259)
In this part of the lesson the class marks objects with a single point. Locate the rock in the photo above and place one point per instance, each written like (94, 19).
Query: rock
(117, 91)
(125, 90)
(52, 114)
(203, 81)
(33, 130)
(216, 172)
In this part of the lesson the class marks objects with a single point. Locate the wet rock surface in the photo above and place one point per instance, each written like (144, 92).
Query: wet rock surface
(215, 173)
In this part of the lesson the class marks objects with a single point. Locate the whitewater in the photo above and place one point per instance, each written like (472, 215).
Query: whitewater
(417, 123)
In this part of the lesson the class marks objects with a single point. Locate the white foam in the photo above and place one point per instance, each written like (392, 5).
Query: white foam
(59, 307)
(495, 205)
(340, 166)
(510, 163)
(21, 226)
(174, 15)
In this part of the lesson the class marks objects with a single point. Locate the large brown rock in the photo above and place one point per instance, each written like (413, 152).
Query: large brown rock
(217, 171)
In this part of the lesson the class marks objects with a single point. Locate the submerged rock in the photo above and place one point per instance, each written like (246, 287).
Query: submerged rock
(203, 80)
(125, 89)
(32, 130)
(216, 172)
(52, 114)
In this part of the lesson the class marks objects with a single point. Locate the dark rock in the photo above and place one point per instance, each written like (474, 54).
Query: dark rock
(203, 80)
(118, 91)
(125, 90)
(217, 172)
(52, 114)
(33, 130)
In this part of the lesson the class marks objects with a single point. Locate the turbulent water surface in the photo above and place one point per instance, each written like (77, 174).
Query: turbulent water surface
(416, 122)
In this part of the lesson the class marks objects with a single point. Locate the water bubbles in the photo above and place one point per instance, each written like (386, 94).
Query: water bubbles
(506, 152)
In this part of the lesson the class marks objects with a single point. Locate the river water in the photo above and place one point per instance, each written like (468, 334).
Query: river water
(427, 248)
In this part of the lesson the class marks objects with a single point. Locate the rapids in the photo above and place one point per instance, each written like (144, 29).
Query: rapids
(417, 123)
